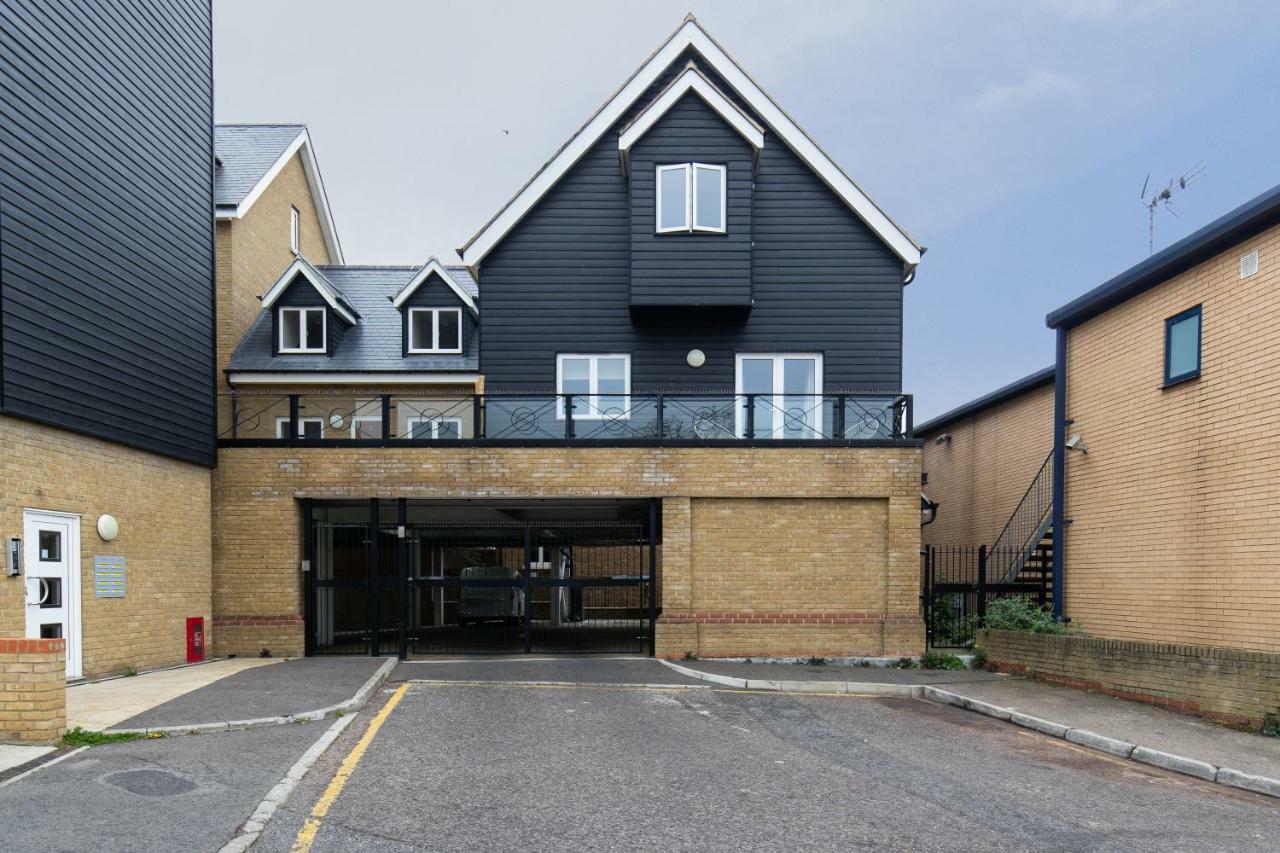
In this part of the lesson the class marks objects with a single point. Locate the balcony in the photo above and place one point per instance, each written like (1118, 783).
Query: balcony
(344, 419)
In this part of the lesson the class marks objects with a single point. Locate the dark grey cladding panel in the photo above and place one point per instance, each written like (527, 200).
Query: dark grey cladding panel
(376, 342)
(821, 281)
(691, 268)
(106, 237)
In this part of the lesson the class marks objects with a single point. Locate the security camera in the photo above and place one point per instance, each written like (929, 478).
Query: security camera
(1075, 442)
(942, 439)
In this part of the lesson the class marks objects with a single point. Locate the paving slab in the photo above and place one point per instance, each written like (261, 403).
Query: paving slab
(12, 756)
(835, 672)
(575, 670)
(97, 705)
(1125, 720)
(289, 687)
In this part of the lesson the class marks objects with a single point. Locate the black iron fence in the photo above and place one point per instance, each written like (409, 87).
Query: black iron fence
(957, 586)
(462, 587)
(343, 418)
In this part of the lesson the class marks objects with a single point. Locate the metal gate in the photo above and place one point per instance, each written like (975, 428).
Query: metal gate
(467, 587)
(955, 591)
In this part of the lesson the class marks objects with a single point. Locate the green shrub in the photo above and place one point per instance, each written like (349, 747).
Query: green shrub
(979, 659)
(903, 663)
(941, 660)
(1021, 614)
(947, 627)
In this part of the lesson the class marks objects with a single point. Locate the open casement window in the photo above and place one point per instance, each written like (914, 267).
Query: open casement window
(787, 389)
(690, 197)
(303, 330)
(435, 330)
(1182, 346)
(307, 427)
(434, 428)
(600, 385)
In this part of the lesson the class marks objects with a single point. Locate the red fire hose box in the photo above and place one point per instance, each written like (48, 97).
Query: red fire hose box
(195, 639)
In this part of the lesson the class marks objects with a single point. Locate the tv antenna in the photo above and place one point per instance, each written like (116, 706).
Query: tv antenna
(1163, 198)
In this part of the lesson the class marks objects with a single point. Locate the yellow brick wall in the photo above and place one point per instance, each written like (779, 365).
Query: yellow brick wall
(163, 508)
(842, 525)
(981, 474)
(33, 701)
(252, 253)
(1173, 535)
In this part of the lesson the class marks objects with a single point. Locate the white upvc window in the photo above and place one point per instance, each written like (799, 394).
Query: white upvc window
(787, 389)
(600, 385)
(293, 230)
(307, 427)
(303, 330)
(435, 330)
(434, 428)
(691, 197)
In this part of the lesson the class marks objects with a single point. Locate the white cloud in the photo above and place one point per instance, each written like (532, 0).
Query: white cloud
(1039, 84)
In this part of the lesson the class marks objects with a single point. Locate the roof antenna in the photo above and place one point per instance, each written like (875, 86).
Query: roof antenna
(1164, 199)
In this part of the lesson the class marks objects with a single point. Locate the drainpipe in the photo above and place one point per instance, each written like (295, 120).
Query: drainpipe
(1060, 423)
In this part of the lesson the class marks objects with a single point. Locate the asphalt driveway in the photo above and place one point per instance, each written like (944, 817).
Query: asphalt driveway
(617, 767)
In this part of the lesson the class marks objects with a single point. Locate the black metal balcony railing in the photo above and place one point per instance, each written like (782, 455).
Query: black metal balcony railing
(514, 419)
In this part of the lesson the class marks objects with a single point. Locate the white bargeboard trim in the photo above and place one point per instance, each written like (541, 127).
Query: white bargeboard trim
(433, 266)
(694, 81)
(317, 280)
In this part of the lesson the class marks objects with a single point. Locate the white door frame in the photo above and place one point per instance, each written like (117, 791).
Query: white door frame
(32, 521)
(813, 415)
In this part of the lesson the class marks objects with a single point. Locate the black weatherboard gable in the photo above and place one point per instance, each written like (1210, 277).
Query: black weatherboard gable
(106, 247)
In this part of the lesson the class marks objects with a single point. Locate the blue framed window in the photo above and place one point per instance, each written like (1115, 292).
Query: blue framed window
(1182, 346)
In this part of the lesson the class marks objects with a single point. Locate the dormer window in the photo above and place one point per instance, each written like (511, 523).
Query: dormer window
(302, 330)
(691, 197)
(435, 330)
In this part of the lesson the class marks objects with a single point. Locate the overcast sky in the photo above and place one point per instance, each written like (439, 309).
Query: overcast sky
(1011, 138)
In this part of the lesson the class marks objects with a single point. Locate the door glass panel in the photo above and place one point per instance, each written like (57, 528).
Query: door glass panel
(675, 207)
(51, 632)
(50, 546)
(710, 190)
(757, 378)
(799, 406)
(311, 428)
(448, 429)
(575, 376)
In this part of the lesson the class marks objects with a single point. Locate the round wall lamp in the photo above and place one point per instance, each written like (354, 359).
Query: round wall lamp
(108, 527)
(696, 358)
(335, 421)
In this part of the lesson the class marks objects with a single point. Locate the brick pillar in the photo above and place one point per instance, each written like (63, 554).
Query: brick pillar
(33, 698)
(675, 637)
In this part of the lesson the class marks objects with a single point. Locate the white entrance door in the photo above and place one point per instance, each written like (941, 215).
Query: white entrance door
(788, 389)
(51, 558)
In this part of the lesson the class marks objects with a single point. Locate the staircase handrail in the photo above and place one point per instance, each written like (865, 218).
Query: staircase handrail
(1016, 540)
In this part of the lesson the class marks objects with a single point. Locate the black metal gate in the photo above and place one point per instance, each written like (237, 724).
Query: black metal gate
(956, 591)
(467, 587)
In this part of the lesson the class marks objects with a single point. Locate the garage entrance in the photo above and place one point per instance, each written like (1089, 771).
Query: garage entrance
(481, 578)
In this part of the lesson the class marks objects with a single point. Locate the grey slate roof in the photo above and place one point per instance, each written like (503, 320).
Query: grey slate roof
(374, 344)
(244, 153)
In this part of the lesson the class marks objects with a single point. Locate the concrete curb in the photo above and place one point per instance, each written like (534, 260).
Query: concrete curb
(355, 703)
(276, 797)
(632, 685)
(1082, 737)
(852, 688)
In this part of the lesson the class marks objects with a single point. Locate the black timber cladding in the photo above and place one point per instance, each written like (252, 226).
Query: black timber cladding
(821, 281)
(106, 234)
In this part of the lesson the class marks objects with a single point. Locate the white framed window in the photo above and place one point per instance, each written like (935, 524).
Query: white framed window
(691, 197)
(307, 427)
(303, 330)
(434, 428)
(435, 330)
(367, 426)
(600, 385)
(788, 394)
(293, 230)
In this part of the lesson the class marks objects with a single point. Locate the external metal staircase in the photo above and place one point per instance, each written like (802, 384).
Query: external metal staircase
(1024, 549)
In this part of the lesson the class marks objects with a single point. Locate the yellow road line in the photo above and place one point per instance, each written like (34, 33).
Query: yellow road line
(307, 835)
(658, 688)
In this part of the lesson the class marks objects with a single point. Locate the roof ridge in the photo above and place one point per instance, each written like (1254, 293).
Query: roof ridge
(259, 124)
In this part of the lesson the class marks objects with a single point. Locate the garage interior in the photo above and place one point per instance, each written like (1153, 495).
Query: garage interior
(481, 576)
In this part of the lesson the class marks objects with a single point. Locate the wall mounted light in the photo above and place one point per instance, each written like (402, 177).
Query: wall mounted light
(696, 358)
(108, 527)
(335, 421)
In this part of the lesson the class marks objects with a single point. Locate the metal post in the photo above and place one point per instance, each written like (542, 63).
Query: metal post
(926, 596)
(528, 591)
(1059, 470)
(982, 581)
(402, 563)
(751, 416)
(308, 579)
(910, 418)
(386, 417)
(375, 614)
(235, 416)
(293, 417)
(476, 429)
(660, 417)
(653, 577)
(568, 416)
(837, 418)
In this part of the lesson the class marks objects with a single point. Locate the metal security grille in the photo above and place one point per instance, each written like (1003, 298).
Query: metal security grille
(469, 587)
(959, 581)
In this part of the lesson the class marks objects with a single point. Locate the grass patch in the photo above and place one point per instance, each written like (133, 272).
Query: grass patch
(79, 737)
(941, 660)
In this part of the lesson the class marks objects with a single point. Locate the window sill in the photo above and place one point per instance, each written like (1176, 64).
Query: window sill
(1179, 380)
(302, 352)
